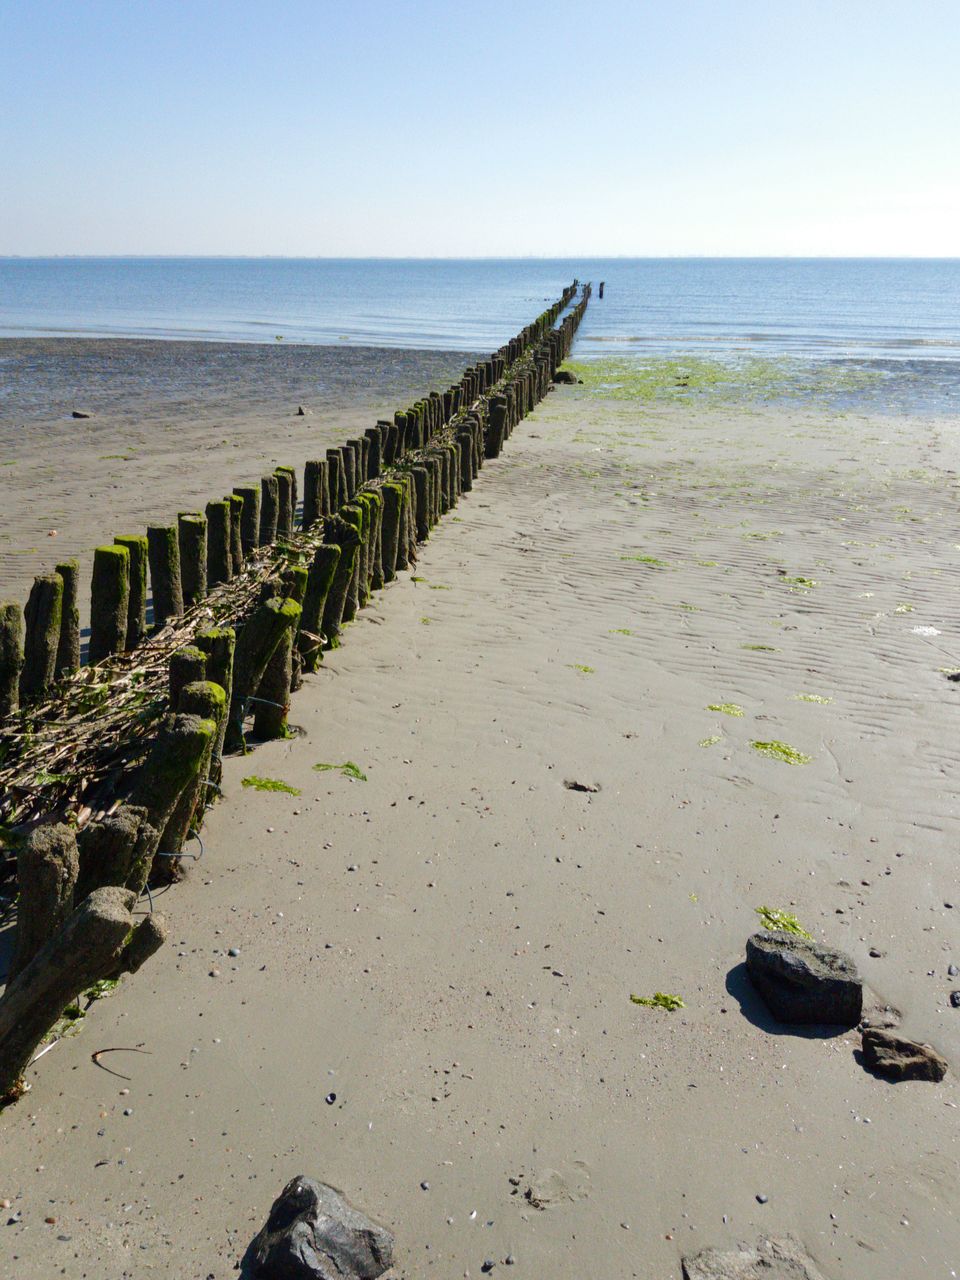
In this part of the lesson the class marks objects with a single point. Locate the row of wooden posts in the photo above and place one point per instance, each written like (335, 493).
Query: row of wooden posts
(365, 506)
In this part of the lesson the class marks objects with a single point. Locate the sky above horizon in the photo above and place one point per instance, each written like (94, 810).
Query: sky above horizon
(618, 127)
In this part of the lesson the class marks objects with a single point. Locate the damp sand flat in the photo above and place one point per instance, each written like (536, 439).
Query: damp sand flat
(174, 425)
(464, 991)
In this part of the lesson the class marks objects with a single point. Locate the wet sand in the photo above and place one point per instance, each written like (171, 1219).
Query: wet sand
(450, 946)
(174, 425)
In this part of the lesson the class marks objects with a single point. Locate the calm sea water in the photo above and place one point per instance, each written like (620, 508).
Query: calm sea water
(860, 309)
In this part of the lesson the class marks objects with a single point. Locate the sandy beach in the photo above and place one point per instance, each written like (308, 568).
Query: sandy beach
(429, 1005)
(172, 426)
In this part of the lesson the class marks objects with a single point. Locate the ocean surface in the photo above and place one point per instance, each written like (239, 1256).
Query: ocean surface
(860, 309)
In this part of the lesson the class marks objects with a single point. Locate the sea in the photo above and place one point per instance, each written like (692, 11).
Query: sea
(901, 316)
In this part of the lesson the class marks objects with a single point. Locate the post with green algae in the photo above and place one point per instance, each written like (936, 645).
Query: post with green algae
(354, 515)
(422, 499)
(47, 868)
(294, 494)
(313, 497)
(186, 666)
(109, 599)
(136, 545)
(208, 701)
(117, 850)
(11, 656)
(218, 645)
(392, 495)
(236, 532)
(269, 510)
(219, 558)
(192, 536)
(281, 674)
(376, 540)
(256, 644)
(249, 517)
(338, 532)
(319, 580)
(349, 463)
(163, 553)
(42, 623)
(68, 646)
(375, 458)
(286, 503)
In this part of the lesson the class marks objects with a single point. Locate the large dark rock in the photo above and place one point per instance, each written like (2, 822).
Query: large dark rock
(802, 981)
(782, 1259)
(312, 1233)
(565, 376)
(898, 1058)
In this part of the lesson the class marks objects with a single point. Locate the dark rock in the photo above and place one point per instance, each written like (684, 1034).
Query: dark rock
(566, 377)
(301, 411)
(898, 1058)
(312, 1233)
(955, 999)
(781, 1259)
(572, 785)
(79, 413)
(802, 981)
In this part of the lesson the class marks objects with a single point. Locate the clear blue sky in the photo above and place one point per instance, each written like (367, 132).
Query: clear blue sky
(381, 127)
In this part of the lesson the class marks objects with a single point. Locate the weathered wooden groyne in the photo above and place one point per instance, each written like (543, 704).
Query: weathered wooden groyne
(106, 768)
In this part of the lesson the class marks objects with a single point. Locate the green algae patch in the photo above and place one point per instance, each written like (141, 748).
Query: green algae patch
(781, 751)
(812, 697)
(709, 564)
(582, 668)
(760, 648)
(727, 708)
(621, 631)
(425, 622)
(781, 921)
(800, 584)
(660, 1000)
(904, 608)
(439, 586)
(711, 741)
(650, 560)
(760, 535)
(269, 784)
(348, 769)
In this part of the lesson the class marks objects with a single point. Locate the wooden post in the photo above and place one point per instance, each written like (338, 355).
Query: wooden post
(192, 536)
(11, 656)
(42, 616)
(136, 545)
(250, 517)
(338, 533)
(236, 532)
(187, 665)
(208, 701)
(313, 504)
(319, 580)
(286, 503)
(68, 646)
(47, 867)
(219, 558)
(336, 480)
(270, 714)
(269, 510)
(116, 850)
(164, 555)
(218, 644)
(109, 599)
(256, 645)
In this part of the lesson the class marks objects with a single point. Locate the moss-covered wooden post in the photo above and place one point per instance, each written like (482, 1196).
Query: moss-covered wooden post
(422, 493)
(280, 676)
(136, 545)
(208, 701)
(117, 850)
(256, 645)
(219, 558)
(353, 515)
(218, 644)
(269, 509)
(11, 656)
(68, 646)
(250, 517)
(375, 457)
(294, 492)
(187, 665)
(376, 536)
(192, 536)
(339, 533)
(42, 618)
(392, 494)
(109, 598)
(236, 532)
(313, 504)
(285, 503)
(360, 447)
(163, 550)
(319, 580)
(47, 869)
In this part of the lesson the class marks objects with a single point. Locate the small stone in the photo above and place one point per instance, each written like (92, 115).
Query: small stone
(955, 999)
(876, 953)
(214, 973)
(52, 1222)
(897, 1058)
(762, 1199)
(80, 413)
(509, 1260)
(5, 1204)
(127, 1111)
(952, 970)
(488, 1266)
(424, 1186)
(234, 951)
(330, 1099)
(313, 1233)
